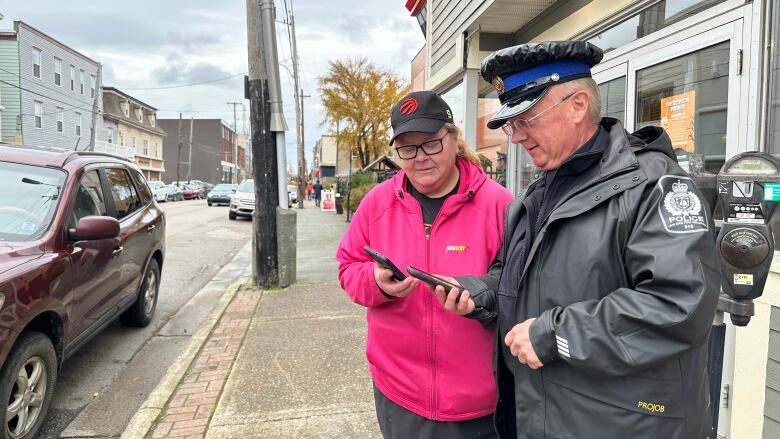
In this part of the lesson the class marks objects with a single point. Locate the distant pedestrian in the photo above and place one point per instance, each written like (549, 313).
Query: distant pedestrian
(309, 191)
(317, 193)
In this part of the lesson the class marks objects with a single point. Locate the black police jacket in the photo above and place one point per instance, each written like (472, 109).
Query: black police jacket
(623, 280)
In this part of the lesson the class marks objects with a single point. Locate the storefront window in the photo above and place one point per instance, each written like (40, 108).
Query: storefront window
(613, 99)
(491, 144)
(773, 112)
(655, 17)
(687, 96)
(454, 98)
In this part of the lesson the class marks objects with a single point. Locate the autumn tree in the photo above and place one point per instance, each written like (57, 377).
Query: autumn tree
(357, 96)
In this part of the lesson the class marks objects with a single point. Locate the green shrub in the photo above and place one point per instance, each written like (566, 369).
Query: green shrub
(357, 195)
(363, 178)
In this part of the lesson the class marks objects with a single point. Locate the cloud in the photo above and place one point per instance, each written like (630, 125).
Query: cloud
(147, 43)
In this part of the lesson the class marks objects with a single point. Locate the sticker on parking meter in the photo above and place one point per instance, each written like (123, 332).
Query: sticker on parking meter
(771, 191)
(743, 279)
(749, 213)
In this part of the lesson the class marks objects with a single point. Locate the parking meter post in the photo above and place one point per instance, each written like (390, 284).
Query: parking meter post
(748, 188)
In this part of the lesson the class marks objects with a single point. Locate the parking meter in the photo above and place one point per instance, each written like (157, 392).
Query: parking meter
(748, 188)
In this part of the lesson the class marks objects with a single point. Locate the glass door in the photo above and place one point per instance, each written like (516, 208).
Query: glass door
(612, 86)
(688, 89)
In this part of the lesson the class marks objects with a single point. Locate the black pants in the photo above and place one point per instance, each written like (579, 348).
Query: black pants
(395, 422)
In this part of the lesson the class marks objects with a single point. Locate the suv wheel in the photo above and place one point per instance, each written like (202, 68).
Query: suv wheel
(142, 311)
(231, 215)
(26, 385)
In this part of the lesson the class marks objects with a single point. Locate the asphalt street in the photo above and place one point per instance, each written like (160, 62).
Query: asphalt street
(101, 387)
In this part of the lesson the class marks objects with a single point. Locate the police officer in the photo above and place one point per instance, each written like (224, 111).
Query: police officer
(607, 282)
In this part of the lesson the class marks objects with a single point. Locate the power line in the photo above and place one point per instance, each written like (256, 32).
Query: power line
(184, 85)
(41, 84)
(43, 96)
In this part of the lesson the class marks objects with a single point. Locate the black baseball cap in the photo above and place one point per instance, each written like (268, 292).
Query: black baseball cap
(422, 111)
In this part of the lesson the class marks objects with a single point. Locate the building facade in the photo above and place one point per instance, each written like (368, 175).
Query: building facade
(131, 130)
(50, 92)
(705, 70)
(207, 158)
(326, 158)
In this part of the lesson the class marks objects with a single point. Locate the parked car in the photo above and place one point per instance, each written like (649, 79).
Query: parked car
(159, 190)
(193, 192)
(81, 243)
(221, 194)
(243, 201)
(173, 193)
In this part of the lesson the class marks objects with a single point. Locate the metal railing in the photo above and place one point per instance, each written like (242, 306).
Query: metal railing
(116, 149)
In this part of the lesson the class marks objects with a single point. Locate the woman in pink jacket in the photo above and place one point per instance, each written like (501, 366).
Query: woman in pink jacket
(432, 369)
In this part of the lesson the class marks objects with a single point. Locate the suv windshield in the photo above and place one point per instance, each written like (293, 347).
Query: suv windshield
(28, 200)
(223, 188)
(247, 186)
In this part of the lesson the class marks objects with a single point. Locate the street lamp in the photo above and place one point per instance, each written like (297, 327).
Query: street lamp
(349, 180)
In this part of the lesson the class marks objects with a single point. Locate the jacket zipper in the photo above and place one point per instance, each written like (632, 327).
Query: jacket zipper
(429, 302)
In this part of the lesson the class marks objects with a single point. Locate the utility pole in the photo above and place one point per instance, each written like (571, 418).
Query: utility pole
(268, 127)
(349, 181)
(298, 110)
(178, 155)
(301, 156)
(189, 160)
(235, 138)
(95, 108)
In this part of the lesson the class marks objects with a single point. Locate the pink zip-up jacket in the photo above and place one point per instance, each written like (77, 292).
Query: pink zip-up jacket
(428, 360)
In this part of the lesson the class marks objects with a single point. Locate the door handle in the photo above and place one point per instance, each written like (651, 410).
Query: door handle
(117, 250)
(151, 228)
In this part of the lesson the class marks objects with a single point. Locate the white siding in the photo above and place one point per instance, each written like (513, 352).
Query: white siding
(51, 95)
(448, 18)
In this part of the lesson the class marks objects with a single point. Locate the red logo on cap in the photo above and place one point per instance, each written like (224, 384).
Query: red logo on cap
(408, 106)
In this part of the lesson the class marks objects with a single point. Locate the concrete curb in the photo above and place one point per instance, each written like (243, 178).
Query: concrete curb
(143, 421)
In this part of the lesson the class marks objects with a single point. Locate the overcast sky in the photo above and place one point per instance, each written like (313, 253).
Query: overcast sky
(150, 44)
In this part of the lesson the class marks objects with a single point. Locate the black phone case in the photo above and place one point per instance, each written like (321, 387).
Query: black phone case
(384, 261)
(433, 280)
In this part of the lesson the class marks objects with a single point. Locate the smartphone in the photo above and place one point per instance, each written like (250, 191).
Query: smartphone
(385, 262)
(433, 281)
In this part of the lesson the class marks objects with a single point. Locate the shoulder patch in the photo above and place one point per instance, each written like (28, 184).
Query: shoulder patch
(681, 208)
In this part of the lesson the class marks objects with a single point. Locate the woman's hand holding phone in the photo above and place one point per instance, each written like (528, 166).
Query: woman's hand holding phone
(389, 285)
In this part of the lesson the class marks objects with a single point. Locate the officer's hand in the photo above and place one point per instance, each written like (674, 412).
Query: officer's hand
(450, 301)
(519, 342)
(387, 283)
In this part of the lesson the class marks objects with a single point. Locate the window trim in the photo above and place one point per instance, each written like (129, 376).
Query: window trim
(37, 53)
(77, 124)
(73, 78)
(60, 120)
(81, 81)
(38, 114)
(57, 72)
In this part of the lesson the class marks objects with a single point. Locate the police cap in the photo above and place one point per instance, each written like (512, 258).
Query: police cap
(523, 74)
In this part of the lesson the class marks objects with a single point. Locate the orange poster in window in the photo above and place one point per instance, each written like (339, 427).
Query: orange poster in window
(677, 115)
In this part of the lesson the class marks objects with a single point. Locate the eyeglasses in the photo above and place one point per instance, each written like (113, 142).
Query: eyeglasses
(514, 124)
(430, 147)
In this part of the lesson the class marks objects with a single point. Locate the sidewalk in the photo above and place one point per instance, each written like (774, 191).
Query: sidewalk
(274, 364)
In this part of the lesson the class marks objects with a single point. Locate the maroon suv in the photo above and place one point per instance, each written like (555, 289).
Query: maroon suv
(82, 241)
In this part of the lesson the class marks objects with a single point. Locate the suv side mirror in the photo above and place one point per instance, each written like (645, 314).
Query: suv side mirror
(93, 228)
